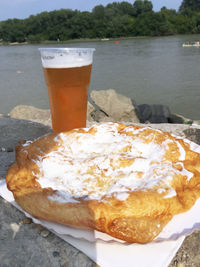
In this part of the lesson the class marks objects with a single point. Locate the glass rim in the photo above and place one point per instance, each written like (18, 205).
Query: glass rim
(66, 49)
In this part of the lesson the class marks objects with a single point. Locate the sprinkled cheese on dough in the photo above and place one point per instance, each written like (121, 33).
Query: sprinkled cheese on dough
(105, 161)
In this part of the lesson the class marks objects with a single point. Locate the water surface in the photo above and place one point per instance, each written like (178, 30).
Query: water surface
(149, 70)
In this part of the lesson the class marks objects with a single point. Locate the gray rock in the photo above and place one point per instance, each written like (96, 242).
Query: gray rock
(176, 118)
(189, 253)
(153, 113)
(14, 130)
(6, 159)
(31, 113)
(90, 110)
(98, 116)
(115, 106)
(144, 112)
(42, 116)
(193, 134)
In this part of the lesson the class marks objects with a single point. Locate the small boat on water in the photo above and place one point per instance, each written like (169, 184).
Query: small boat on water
(190, 44)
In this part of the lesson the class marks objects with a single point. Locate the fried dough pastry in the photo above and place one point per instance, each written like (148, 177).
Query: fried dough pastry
(124, 180)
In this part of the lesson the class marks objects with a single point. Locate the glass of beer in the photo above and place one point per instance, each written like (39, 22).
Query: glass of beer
(67, 72)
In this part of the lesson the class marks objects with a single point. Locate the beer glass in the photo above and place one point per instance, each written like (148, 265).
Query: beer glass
(67, 72)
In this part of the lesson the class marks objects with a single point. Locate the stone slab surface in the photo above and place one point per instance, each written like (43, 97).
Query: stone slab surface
(14, 130)
(23, 243)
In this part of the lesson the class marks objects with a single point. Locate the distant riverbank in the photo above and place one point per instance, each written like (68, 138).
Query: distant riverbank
(187, 37)
(82, 40)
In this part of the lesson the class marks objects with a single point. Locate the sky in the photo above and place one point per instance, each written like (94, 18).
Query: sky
(24, 8)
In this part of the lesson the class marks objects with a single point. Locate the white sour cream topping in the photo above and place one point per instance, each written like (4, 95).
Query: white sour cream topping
(108, 163)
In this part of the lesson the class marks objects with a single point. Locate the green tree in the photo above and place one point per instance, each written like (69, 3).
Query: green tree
(141, 7)
(196, 18)
(188, 6)
(170, 16)
(126, 8)
(151, 24)
(98, 12)
(13, 30)
(117, 19)
(184, 25)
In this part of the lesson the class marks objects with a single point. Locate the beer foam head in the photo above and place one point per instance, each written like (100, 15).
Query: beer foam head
(66, 57)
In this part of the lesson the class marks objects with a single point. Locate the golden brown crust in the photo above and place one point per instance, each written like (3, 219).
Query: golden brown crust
(139, 218)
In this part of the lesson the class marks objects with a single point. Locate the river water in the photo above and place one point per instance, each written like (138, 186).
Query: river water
(149, 70)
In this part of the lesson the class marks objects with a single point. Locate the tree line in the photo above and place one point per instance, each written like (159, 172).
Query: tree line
(117, 19)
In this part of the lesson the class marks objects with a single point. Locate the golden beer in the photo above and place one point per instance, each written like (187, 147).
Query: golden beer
(68, 96)
(67, 73)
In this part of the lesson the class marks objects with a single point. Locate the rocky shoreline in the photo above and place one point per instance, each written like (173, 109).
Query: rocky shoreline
(108, 105)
